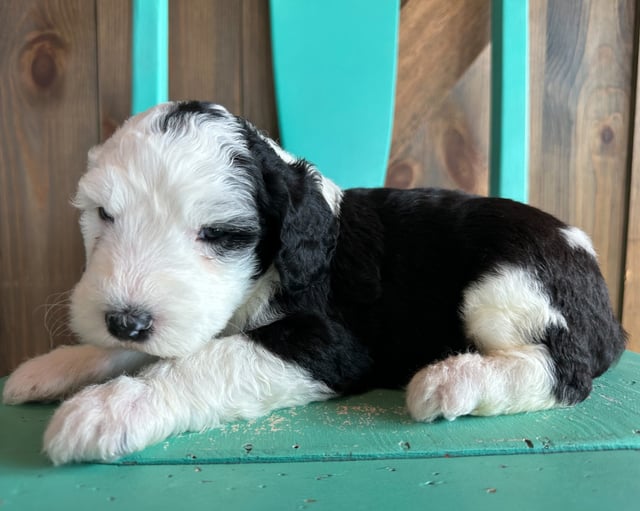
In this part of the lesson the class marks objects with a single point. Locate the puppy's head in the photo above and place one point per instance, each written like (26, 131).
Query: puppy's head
(192, 221)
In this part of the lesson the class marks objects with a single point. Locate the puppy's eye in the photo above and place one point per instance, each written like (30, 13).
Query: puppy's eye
(104, 216)
(225, 239)
(211, 234)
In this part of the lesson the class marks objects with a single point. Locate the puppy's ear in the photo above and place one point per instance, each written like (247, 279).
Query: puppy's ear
(303, 228)
(308, 233)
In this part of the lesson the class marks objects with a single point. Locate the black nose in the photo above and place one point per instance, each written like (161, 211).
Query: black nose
(129, 324)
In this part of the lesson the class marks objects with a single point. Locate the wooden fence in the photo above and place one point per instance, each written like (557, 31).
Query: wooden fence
(65, 85)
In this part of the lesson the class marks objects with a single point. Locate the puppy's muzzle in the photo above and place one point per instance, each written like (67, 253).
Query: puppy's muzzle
(129, 324)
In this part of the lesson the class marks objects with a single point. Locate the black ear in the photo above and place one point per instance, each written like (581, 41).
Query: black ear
(303, 229)
(308, 234)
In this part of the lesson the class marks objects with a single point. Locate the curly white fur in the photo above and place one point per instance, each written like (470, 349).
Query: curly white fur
(159, 189)
(229, 379)
(501, 313)
(149, 194)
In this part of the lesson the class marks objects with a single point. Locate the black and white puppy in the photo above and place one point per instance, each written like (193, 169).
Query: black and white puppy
(226, 278)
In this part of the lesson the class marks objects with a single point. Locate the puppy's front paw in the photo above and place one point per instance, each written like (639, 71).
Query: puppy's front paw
(102, 423)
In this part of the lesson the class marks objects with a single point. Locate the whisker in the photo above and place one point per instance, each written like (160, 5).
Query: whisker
(236, 327)
(56, 316)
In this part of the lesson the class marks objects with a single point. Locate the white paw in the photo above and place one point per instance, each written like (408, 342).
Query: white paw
(39, 379)
(448, 389)
(102, 423)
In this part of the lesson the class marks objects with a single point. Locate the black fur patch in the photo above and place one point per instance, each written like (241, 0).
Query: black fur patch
(322, 346)
(393, 284)
(371, 296)
(175, 120)
(298, 229)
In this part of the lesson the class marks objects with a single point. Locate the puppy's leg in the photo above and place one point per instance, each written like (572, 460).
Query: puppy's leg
(505, 315)
(491, 384)
(66, 369)
(231, 378)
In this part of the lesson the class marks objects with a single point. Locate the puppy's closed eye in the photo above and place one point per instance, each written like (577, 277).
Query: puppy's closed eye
(104, 216)
(212, 234)
(226, 238)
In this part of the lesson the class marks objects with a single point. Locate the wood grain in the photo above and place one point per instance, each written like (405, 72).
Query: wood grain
(631, 301)
(450, 146)
(439, 40)
(581, 97)
(114, 25)
(258, 93)
(221, 51)
(49, 120)
(56, 102)
(205, 51)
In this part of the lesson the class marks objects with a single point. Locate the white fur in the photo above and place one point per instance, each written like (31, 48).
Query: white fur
(285, 156)
(231, 378)
(578, 240)
(504, 314)
(197, 369)
(150, 256)
(507, 308)
(256, 310)
(67, 369)
(161, 189)
(517, 380)
(331, 192)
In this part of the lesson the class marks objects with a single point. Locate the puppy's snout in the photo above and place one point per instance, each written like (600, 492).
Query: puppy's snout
(129, 324)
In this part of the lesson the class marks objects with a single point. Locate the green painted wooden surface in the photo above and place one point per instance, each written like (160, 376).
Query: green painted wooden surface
(376, 426)
(583, 457)
(586, 481)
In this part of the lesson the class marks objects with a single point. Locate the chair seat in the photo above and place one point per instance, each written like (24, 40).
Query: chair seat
(314, 454)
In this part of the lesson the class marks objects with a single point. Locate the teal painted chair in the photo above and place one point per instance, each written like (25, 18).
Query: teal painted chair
(150, 54)
(509, 147)
(335, 67)
(303, 458)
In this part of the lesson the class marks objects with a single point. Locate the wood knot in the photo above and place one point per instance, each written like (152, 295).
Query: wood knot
(43, 69)
(606, 134)
(42, 63)
(401, 174)
(462, 161)
(109, 126)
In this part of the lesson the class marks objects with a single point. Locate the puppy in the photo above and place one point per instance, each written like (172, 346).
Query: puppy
(226, 278)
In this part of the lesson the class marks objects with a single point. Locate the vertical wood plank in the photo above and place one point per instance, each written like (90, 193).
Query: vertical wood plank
(631, 299)
(439, 43)
(579, 160)
(258, 94)
(205, 51)
(114, 63)
(631, 303)
(49, 120)
(450, 147)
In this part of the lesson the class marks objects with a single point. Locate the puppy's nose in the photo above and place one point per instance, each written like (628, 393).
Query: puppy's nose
(129, 324)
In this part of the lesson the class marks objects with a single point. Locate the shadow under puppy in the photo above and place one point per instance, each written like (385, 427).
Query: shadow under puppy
(226, 278)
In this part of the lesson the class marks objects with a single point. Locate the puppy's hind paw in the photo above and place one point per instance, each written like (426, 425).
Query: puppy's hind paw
(447, 389)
